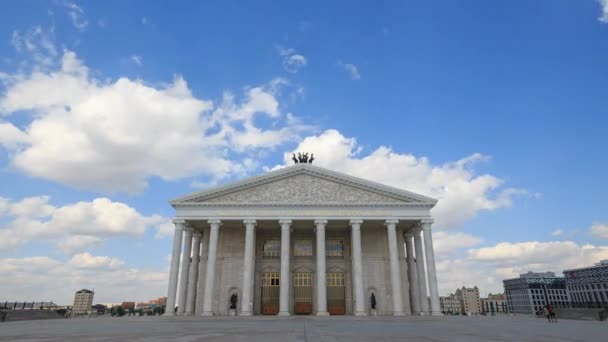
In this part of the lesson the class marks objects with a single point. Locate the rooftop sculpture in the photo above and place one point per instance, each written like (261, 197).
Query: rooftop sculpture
(303, 158)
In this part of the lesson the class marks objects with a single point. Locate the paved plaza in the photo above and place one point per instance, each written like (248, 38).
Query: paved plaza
(519, 328)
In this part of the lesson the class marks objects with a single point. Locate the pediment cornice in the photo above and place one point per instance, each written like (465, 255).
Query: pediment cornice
(304, 185)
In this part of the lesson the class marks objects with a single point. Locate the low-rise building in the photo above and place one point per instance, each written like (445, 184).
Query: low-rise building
(588, 285)
(450, 305)
(470, 303)
(494, 303)
(128, 306)
(100, 309)
(83, 302)
(532, 291)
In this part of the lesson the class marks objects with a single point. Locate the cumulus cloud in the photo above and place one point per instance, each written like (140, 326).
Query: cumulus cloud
(115, 135)
(111, 278)
(599, 230)
(38, 43)
(487, 266)
(351, 69)
(461, 192)
(604, 17)
(73, 227)
(446, 243)
(292, 61)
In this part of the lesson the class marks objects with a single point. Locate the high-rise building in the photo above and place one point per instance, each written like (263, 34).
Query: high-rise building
(532, 291)
(83, 302)
(588, 285)
(470, 303)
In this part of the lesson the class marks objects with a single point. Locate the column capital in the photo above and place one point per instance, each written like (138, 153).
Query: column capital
(320, 222)
(250, 221)
(426, 223)
(355, 222)
(283, 222)
(408, 234)
(179, 222)
(213, 222)
(391, 222)
(197, 233)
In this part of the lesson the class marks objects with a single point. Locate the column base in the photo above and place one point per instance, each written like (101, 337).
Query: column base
(322, 313)
(242, 313)
(399, 313)
(169, 314)
(361, 313)
(284, 313)
(207, 313)
(437, 313)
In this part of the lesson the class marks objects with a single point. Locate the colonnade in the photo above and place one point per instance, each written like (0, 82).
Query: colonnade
(418, 275)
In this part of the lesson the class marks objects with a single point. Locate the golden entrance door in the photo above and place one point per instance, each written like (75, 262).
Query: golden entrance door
(302, 292)
(270, 293)
(336, 301)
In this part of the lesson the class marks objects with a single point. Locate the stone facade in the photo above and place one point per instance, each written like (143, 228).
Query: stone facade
(470, 303)
(271, 240)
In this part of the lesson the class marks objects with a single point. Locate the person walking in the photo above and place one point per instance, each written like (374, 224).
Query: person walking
(552, 313)
(547, 313)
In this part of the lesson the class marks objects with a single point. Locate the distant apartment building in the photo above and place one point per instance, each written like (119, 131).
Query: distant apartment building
(532, 291)
(588, 285)
(494, 303)
(83, 302)
(450, 305)
(470, 303)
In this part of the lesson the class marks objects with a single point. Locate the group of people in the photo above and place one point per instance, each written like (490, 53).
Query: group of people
(549, 312)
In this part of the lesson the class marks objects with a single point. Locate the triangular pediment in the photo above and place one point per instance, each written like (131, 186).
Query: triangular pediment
(304, 184)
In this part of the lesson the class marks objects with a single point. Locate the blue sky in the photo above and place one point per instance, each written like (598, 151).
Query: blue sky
(109, 109)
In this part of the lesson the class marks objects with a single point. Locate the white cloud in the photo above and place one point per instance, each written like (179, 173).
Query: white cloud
(86, 260)
(292, 61)
(446, 243)
(461, 192)
(137, 59)
(43, 278)
(351, 69)
(487, 266)
(10, 135)
(77, 15)
(557, 232)
(38, 43)
(114, 135)
(73, 227)
(604, 17)
(599, 230)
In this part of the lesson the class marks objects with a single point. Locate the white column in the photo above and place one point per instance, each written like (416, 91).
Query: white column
(193, 276)
(391, 226)
(285, 274)
(321, 275)
(246, 300)
(210, 272)
(202, 267)
(424, 306)
(174, 271)
(357, 267)
(183, 281)
(430, 266)
(412, 274)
